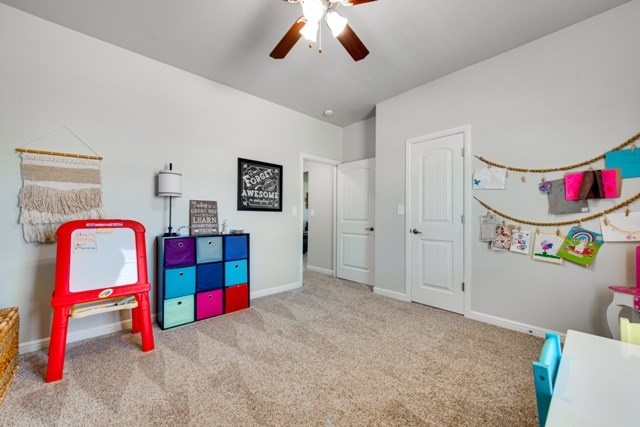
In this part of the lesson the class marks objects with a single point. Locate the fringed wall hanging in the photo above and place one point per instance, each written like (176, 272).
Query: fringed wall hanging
(56, 188)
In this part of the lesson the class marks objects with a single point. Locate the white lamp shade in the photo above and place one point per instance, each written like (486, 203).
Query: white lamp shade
(336, 23)
(310, 31)
(169, 183)
(312, 10)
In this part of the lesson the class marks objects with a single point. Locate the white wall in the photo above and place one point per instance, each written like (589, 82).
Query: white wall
(140, 115)
(320, 216)
(359, 140)
(562, 99)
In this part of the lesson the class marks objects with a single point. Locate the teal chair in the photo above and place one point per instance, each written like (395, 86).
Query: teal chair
(544, 374)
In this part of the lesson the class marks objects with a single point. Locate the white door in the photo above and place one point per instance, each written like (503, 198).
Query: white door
(436, 223)
(355, 221)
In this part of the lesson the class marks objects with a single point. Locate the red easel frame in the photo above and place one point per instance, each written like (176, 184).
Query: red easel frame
(63, 300)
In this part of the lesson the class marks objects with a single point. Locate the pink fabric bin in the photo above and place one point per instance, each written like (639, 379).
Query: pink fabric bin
(208, 304)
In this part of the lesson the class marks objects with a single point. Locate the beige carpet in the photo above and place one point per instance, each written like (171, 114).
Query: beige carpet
(329, 354)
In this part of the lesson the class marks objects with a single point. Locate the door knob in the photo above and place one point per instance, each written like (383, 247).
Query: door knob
(416, 231)
(370, 228)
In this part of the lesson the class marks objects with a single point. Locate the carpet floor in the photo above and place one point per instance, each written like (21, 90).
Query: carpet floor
(331, 353)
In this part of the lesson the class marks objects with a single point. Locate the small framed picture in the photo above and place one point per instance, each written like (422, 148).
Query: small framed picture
(259, 186)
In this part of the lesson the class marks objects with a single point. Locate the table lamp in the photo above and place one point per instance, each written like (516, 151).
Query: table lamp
(169, 185)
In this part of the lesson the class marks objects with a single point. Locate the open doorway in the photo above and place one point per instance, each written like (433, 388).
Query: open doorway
(318, 208)
(305, 218)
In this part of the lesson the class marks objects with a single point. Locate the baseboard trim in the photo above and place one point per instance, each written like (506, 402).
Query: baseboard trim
(320, 270)
(480, 317)
(510, 324)
(276, 290)
(35, 345)
(391, 294)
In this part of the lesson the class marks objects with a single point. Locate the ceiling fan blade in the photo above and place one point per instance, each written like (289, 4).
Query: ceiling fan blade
(353, 44)
(357, 2)
(289, 40)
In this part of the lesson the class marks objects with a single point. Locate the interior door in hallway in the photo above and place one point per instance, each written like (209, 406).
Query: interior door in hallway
(355, 231)
(436, 223)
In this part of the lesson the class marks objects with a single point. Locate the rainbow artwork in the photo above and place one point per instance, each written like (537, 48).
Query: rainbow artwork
(581, 246)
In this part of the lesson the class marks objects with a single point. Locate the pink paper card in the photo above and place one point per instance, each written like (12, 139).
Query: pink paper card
(611, 181)
(572, 185)
(598, 184)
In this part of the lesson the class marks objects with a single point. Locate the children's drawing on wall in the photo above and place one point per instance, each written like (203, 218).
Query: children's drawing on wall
(488, 227)
(490, 179)
(546, 247)
(521, 242)
(502, 241)
(621, 227)
(581, 246)
(544, 186)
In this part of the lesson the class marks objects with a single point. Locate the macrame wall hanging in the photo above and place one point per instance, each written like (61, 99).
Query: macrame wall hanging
(57, 187)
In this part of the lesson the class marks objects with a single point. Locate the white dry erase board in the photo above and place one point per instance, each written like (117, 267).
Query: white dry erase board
(102, 258)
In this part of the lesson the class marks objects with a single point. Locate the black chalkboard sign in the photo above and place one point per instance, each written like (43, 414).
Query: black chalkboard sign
(259, 186)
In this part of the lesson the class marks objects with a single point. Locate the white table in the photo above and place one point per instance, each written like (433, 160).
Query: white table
(598, 383)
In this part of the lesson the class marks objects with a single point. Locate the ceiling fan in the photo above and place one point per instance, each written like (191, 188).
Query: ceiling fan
(308, 25)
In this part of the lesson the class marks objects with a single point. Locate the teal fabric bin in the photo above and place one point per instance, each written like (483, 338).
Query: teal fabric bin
(178, 311)
(235, 272)
(179, 281)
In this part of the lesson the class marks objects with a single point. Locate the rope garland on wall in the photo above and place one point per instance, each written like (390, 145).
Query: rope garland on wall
(562, 168)
(559, 223)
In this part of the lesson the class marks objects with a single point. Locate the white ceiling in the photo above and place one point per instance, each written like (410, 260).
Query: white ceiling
(411, 42)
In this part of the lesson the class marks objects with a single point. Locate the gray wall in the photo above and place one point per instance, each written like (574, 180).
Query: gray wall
(321, 216)
(562, 99)
(140, 115)
(359, 140)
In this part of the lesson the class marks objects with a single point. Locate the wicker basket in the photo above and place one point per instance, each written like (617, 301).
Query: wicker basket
(9, 328)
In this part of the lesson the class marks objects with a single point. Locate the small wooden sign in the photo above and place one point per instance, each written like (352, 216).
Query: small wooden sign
(203, 217)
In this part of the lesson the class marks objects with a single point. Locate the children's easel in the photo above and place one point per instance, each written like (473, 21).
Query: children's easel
(101, 266)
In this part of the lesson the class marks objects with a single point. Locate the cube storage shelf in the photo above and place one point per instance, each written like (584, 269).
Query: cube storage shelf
(199, 277)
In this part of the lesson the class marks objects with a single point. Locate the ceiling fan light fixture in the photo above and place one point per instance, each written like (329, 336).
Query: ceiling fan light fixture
(309, 26)
(312, 10)
(310, 31)
(336, 23)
